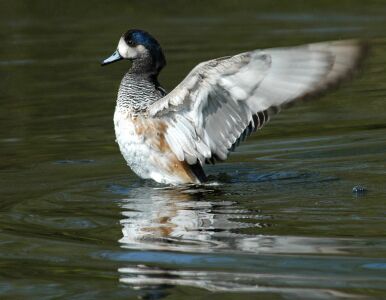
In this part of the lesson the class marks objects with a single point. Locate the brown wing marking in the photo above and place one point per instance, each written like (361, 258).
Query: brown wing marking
(153, 133)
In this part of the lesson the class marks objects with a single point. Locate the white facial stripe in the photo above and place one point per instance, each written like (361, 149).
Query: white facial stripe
(123, 48)
(130, 52)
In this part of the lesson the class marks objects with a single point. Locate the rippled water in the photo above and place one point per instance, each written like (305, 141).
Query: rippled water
(279, 220)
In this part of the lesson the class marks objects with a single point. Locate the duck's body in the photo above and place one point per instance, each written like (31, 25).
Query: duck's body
(141, 139)
(143, 145)
(169, 137)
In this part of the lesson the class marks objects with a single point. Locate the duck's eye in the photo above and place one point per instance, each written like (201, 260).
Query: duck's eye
(130, 43)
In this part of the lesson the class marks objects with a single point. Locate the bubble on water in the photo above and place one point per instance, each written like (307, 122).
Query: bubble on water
(359, 190)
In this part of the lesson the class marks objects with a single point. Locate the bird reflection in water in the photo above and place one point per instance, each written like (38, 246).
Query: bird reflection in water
(171, 219)
(190, 237)
(161, 220)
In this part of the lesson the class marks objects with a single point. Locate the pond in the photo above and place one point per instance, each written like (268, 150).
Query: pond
(280, 219)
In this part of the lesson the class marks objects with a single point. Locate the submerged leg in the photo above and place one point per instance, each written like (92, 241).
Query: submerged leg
(199, 172)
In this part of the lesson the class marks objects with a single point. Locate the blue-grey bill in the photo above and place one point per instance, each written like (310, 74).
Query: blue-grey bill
(113, 58)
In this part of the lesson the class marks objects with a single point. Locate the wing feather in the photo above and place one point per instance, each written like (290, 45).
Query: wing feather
(222, 101)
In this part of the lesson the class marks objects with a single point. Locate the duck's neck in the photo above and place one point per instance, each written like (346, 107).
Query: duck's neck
(139, 89)
(145, 67)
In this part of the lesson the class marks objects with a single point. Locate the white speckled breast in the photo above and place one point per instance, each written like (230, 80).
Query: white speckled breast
(143, 145)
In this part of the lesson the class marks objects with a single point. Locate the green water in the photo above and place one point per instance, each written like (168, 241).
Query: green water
(76, 223)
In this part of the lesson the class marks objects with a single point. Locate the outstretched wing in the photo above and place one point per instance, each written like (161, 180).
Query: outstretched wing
(223, 100)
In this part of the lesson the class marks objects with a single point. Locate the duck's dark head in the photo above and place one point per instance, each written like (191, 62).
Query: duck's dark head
(140, 47)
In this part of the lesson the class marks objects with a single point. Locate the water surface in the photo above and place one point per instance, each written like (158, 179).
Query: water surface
(279, 221)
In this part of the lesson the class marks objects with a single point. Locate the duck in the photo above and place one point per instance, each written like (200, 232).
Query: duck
(170, 137)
